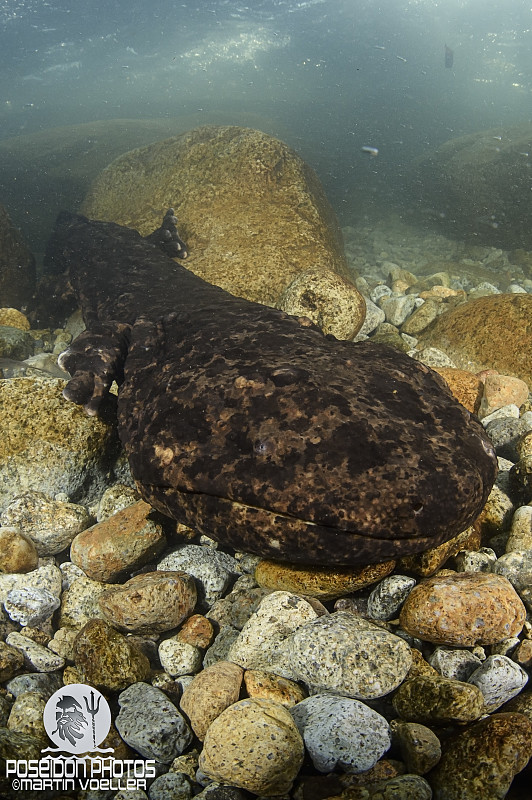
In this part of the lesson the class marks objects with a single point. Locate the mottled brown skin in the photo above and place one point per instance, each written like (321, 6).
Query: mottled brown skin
(252, 426)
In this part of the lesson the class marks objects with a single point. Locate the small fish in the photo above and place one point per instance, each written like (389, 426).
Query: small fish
(371, 151)
(400, 58)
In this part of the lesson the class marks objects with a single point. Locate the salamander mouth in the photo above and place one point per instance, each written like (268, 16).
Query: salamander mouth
(279, 536)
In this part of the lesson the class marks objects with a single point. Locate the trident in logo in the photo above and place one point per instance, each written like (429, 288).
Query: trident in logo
(93, 710)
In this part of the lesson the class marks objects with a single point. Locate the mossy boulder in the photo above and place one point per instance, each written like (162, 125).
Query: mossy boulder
(253, 214)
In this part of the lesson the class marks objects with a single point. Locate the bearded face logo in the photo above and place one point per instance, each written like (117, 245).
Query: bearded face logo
(71, 722)
(77, 719)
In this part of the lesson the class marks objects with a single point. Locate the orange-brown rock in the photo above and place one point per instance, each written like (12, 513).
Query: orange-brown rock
(197, 630)
(493, 332)
(324, 582)
(118, 544)
(210, 693)
(463, 609)
(464, 385)
(270, 686)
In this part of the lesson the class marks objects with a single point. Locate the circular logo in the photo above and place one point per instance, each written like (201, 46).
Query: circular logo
(77, 718)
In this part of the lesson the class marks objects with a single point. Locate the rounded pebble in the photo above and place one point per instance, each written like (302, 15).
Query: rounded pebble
(349, 655)
(341, 733)
(254, 745)
(210, 693)
(150, 602)
(107, 659)
(463, 609)
(30, 606)
(51, 524)
(149, 723)
(179, 658)
(322, 582)
(119, 544)
(420, 747)
(212, 569)
(260, 644)
(432, 698)
(35, 655)
(387, 598)
(499, 679)
(17, 551)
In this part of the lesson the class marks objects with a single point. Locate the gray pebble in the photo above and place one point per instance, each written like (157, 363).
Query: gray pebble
(388, 596)
(30, 606)
(454, 663)
(219, 649)
(516, 567)
(262, 641)
(179, 658)
(397, 307)
(340, 732)
(172, 785)
(379, 291)
(42, 683)
(504, 434)
(149, 723)
(212, 569)
(348, 655)
(499, 679)
(35, 655)
(374, 317)
(475, 560)
(46, 576)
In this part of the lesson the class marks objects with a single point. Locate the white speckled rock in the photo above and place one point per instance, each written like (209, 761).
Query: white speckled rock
(261, 642)
(515, 566)
(397, 307)
(31, 606)
(374, 316)
(499, 679)
(80, 602)
(46, 576)
(212, 569)
(433, 357)
(388, 596)
(340, 732)
(475, 560)
(151, 724)
(348, 655)
(179, 658)
(35, 655)
(454, 663)
(255, 745)
(330, 301)
(51, 524)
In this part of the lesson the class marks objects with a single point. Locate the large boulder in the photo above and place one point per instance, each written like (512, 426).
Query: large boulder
(478, 186)
(493, 332)
(49, 444)
(17, 265)
(253, 214)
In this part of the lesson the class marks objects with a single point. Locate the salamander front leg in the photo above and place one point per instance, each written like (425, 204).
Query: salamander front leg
(95, 359)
